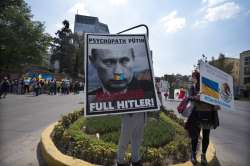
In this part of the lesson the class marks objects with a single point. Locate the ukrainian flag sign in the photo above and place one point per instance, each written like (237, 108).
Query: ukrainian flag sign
(216, 86)
(210, 88)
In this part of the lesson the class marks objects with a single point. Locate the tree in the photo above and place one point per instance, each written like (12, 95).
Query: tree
(22, 40)
(63, 49)
(222, 64)
(79, 57)
(171, 80)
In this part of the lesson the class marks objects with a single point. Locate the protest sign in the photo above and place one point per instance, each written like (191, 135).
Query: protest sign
(216, 86)
(164, 86)
(118, 75)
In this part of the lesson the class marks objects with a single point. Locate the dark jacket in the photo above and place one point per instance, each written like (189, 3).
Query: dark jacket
(203, 116)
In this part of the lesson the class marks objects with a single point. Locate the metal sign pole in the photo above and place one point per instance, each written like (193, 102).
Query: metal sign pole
(141, 25)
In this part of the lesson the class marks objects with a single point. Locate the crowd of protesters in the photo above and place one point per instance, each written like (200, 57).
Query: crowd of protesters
(38, 86)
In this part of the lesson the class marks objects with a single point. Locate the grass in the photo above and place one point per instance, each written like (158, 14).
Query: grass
(157, 132)
(163, 138)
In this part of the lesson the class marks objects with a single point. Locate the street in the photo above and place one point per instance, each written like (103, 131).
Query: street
(23, 118)
(231, 138)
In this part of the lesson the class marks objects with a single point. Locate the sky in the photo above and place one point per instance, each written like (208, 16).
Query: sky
(180, 31)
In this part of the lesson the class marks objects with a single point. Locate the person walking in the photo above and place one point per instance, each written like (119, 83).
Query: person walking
(26, 86)
(203, 117)
(4, 87)
(36, 86)
(20, 86)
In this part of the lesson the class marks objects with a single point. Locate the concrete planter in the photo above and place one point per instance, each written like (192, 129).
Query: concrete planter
(54, 157)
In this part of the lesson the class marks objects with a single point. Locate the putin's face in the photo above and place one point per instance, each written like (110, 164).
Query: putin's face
(114, 67)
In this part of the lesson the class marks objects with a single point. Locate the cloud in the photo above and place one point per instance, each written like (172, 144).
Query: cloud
(248, 13)
(211, 3)
(118, 2)
(79, 8)
(172, 23)
(217, 10)
(221, 12)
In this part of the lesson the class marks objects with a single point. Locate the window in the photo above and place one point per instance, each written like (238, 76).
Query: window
(247, 60)
(246, 80)
(247, 70)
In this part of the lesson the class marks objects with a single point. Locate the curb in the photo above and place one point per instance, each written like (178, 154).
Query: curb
(53, 157)
(210, 155)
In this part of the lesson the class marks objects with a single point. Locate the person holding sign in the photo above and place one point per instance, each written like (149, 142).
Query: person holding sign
(132, 131)
(204, 116)
(115, 71)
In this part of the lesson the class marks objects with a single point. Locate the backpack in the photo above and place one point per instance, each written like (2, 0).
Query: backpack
(185, 107)
(182, 106)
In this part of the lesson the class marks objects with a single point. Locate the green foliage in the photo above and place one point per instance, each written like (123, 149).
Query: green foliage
(158, 133)
(172, 116)
(179, 129)
(63, 49)
(22, 40)
(102, 125)
(79, 56)
(112, 137)
(164, 139)
(221, 64)
(171, 80)
(70, 118)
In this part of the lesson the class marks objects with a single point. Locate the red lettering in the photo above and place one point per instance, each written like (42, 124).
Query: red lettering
(130, 94)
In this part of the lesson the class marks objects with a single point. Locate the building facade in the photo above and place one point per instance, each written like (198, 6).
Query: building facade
(235, 73)
(244, 69)
(89, 24)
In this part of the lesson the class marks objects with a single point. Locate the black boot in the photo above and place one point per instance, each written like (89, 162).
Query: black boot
(120, 164)
(203, 159)
(138, 163)
(193, 158)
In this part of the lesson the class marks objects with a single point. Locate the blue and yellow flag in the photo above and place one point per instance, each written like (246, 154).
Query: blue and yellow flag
(210, 88)
(119, 77)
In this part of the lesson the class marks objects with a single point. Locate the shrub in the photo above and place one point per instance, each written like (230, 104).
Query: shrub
(112, 137)
(164, 139)
(157, 133)
(102, 125)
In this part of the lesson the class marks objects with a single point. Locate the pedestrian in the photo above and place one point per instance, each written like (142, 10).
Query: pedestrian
(15, 87)
(158, 88)
(36, 86)
(132, 131)
(203, 117)
(58, 86)
(26, 86)
(4, 87)
(20, 86)
(182, 94)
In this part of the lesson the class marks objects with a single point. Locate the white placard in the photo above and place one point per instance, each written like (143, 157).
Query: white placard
(216, 86)
(118, 75)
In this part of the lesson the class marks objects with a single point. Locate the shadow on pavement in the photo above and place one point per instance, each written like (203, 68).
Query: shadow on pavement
(40, 160)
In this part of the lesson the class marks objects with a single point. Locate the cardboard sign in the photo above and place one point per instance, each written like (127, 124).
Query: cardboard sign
(216, 86)
(118, 75)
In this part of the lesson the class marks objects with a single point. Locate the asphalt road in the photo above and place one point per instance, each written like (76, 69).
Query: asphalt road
(232, 137)
(23, 118)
